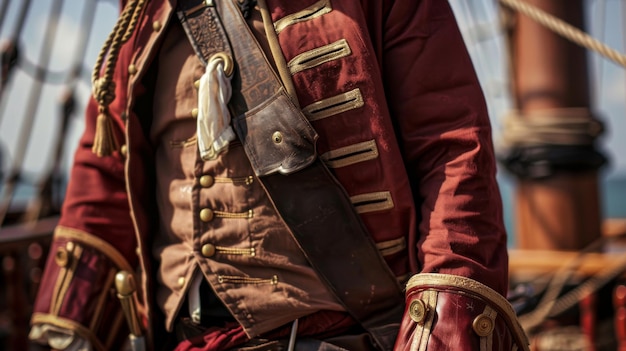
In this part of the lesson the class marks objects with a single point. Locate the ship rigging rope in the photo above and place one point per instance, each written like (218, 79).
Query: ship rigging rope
(551, 305)
(566, 30)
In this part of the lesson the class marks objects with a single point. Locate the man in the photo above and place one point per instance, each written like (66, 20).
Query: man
(284, 169)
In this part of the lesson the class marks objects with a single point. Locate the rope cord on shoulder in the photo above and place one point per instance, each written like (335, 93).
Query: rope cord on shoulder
(103, 87)
(566, 30)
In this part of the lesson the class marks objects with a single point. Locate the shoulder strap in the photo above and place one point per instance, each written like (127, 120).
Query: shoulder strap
(306, 195)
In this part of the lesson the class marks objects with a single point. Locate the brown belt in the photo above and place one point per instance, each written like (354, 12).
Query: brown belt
(321, 217)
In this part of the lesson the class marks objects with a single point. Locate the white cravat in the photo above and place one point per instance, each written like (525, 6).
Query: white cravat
(214, 129)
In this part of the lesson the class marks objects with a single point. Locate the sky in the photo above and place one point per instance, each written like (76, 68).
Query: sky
(485, 46)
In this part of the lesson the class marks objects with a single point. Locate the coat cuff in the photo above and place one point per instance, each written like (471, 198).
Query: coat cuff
(449, 312)
(77, 290)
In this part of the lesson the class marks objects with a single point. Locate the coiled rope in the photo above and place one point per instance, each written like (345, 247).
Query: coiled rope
(566, 30)
(103, 87)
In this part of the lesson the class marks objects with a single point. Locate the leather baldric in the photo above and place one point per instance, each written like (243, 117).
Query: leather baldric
(280, 144)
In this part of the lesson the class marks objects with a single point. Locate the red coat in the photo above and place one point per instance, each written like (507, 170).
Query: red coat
(422, 106)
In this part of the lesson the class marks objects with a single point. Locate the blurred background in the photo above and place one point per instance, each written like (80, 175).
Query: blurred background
(49, 47)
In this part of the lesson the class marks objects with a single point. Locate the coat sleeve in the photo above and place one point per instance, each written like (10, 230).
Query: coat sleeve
(439, 110)
(94, 240)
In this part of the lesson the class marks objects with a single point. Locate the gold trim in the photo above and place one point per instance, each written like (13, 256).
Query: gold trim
(247, 180)
(235, 251)
(277, 53)
(233, 215)
(117, 324)
(75, 252)
(96, 243)
(334, 105)
(318, 9)
(176, 144)
(233, 279)
(350, 154)
(483, 326)
(318, 56)
(391, 247)
(96, 318)
(423, 330)
(428, 280)
(371, 202)
(64, 323)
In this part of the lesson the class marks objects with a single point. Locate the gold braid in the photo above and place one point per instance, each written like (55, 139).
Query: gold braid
(103, 87)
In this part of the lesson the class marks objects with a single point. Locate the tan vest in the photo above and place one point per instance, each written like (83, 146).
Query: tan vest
(215, 216)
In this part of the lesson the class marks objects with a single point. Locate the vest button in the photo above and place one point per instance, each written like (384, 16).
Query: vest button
(208, 250)
(206, 215)
(196, 84)
(124, 150)
(181, 282)
(156, 25)
(194, 113)
(207, 181)
(132, 69)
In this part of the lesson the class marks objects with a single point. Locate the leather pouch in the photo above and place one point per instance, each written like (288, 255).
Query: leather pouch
(276, 136)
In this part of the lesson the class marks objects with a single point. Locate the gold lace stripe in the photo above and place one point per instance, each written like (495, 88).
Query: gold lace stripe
(64, 323)
(184, 143)
(334, 105)
(486, 342)
(96, 318)
(222, 214)
(423, 330)
(350, 154)
(317, 56)
(236, 180)
(235, 251)
(371, 202)
(63, 285)
(318, 9)
(391, 247)
(246, 280)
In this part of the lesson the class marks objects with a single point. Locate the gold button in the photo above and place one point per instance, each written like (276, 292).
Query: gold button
(156, 25)
(197, 84)
(277, 137)
(207, 181)
(208, 250)
(62, 257)
(194, 113)
(181, 281)
(124, 150)
(417, 311)
(206, 215)
(483, 325)
(132, 69)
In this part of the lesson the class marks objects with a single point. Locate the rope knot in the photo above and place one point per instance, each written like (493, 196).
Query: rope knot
(103, 91)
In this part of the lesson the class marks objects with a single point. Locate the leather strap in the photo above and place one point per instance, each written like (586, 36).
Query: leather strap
(310, 200)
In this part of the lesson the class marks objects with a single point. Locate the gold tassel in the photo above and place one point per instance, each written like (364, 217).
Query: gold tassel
(104, 142)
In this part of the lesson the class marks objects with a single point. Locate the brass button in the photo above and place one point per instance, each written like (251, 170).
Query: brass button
(194, 113)
(417, 311)
(207, 181)
(124, 150)
(181, 282)
(196, 84)
(206, 215)
(277, 137)
(132, 69)
(483, 325)
(62, 257)
(208, 250)
(156, 25)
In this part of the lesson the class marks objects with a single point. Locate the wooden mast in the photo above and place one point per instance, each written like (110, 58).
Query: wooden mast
(557, 199)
